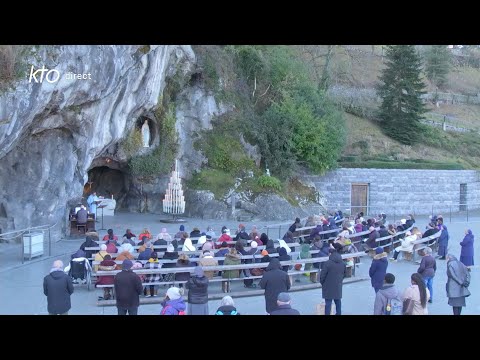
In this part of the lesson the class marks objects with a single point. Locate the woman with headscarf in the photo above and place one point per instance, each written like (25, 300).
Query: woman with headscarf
(466, 255)
(263, 239)
(457, 284)
(197, 287)
(188, 246)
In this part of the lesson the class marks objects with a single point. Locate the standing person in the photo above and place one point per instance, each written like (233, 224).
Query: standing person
(457, 284)
(466, 255)
(173, 304)
(442, 240)
(197, 287)
(427, 269)
(283, 305)
(331, 278)
(128, 288)
(388, 296)
(417, 296)
(57, 287)
(232, 258)
(91, 203)
(274, 281)
(378, 269)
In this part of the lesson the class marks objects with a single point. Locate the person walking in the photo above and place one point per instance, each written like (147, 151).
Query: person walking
(442, 240)
(274, 281)
(128, 288)
(427, 269)
(331, 278)
(466, 255)
(457, 284)
(378, 269)
(197, 287)
(57, 287)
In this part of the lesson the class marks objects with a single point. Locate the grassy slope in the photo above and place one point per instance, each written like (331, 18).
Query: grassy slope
(363, 71)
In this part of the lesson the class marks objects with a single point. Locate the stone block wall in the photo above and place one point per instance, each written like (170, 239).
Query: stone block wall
(401, 191)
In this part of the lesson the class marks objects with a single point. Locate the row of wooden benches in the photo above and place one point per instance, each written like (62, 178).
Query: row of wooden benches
(240, 267)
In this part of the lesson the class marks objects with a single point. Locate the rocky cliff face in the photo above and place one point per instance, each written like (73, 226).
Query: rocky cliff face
(51, 132)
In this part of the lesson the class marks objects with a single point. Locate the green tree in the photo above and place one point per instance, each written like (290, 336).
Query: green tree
(401, 89)
(437, 64)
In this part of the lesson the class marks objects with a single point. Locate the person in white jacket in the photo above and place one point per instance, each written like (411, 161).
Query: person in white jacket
(406, 245)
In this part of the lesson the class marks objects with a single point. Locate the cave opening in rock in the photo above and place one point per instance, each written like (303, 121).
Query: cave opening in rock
(107, 182)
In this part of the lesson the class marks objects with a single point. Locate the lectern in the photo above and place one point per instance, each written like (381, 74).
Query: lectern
(101, 207)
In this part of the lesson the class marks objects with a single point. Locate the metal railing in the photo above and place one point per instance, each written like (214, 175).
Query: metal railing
(16, 234)
(452, 212)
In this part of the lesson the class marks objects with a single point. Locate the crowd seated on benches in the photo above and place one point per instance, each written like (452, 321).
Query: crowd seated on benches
(313, 241)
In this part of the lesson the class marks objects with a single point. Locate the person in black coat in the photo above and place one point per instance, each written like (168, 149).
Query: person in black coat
(197, 287)
(57, 287)
(128, 288)
(89, 243)
(383, 231)
(283, 256)
(331, 278)
(274, 281)
(283, 305)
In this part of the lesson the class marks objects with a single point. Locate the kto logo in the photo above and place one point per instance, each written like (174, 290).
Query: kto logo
(50, 75)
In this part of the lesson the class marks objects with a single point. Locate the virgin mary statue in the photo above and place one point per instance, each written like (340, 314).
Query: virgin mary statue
(146, 134)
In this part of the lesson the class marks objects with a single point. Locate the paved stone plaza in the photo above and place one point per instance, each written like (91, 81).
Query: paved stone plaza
(22, 291)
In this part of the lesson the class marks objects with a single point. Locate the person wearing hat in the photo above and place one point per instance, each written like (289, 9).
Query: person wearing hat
(331, 278)
(195, 233)
(274, 281)
(283, 305)
(179, 234)
(128, 288)
(378, 268)
(173, 303)
(209, 245)
(253, 251)
(170, 254)
(197, 287)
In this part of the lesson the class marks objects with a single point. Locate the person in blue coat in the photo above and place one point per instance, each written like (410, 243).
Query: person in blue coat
(466, 255)
(378, 269)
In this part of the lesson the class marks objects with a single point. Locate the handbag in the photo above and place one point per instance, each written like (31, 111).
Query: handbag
(408, 305)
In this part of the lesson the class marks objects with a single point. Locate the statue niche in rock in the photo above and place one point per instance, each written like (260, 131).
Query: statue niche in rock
(146, 134)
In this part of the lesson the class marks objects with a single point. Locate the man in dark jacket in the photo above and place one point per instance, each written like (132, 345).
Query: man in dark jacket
(331, 278)
(378, 269)
(57, 287)
(197, 287)
(128, 288)
(242, 235)
(274, 281)
(383, 231)
(442, 240)
(427, 269)
(283, 305)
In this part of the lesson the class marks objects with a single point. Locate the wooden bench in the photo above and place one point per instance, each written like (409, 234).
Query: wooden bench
(391, 240)
(240, 267)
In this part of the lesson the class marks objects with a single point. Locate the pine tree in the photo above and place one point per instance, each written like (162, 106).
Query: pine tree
(402, 106)
(437, 64)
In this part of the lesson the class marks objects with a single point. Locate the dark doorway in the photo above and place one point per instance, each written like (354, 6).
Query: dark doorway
(107, 182)
(463, 197)
(359, 198)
